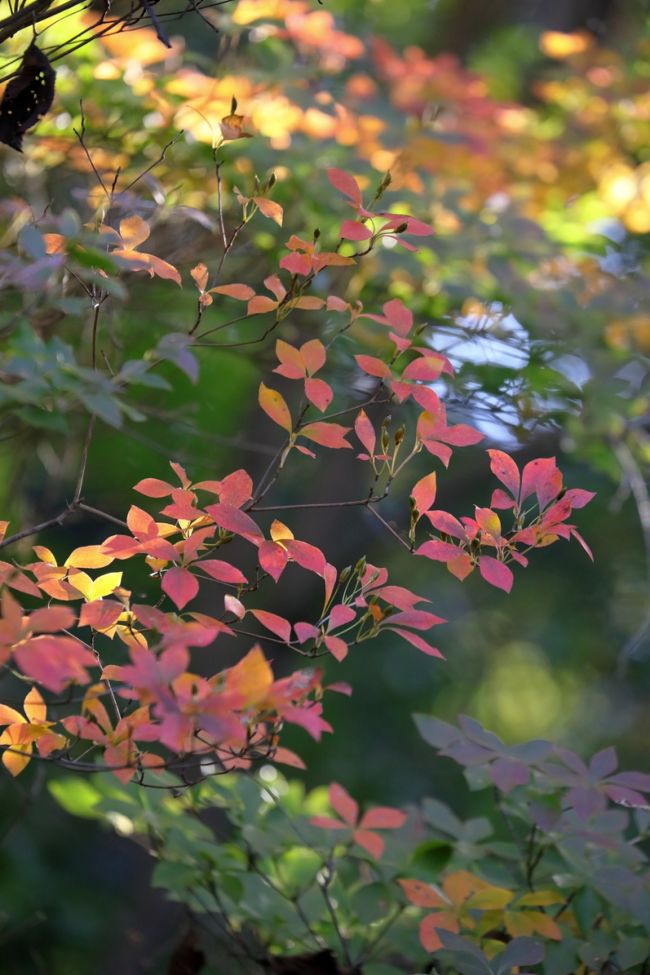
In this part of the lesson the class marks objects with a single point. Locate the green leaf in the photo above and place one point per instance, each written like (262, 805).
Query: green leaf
(77, 795)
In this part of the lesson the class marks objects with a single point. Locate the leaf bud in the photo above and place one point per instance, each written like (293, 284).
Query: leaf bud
(316, 233)
(360, 567)
(271, 180)
(345, 573)
(399, 435)
(401, 228)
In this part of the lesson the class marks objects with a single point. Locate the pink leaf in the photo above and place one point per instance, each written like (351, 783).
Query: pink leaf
(373, 366)
(496, 573)
(100, 614)
(222, 571)
(365, 432)
(327, 434)
(345, 184)
(438, 551)
(152, 487)
(353, 230)
(419, 642)
(234, 520)
(504, 468)
(180, 585)
(273, 559)
(426, 370)
(424, 493)
(319, 393)
(307, 556)
(370, 842)
(337, 647)
(383, 817)
(276, 624)
(343, 804)
(542, 477)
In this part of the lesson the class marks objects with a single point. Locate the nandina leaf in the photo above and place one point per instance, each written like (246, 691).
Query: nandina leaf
(496, 573)
(354, 230)
(345, 184)
(319, 393)
(424, 493)
(343, 804)
(275, 407)
(327, 434)
(383, 817)
(222, 571)
(542, 477)
(153, 487)
(276, 624)
(234, 520)
(370, 842)
(336, 646)
(504, 468)
(373, 366)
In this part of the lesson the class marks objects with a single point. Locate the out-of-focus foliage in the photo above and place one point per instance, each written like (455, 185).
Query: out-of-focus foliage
(553, 873)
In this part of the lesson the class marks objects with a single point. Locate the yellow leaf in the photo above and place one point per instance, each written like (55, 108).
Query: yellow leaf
(16, 760)
(88, 557)
(251, 677)
(490, 899)
(34, 706)
(280, 532)
(44, 554)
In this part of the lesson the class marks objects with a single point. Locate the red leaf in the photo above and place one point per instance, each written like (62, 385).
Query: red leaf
(343, 804)
(345, 184)
(371, 842)
(307, 556)
(222, 571)
(373, 366)
(504, 468)
(55, 661)
(446, 523)
(240, 291)
(383, 817)
(313, 355)
(306, 631)
(418, 642)
(496, 573)
(276, 624)
(326, 822)
(233, 520)
(327, 434)
(578, 498)
(438, 551)
(180, 585)
(426, 370)
(353, 230)
(542, 477)
(100, 614)
(424, 493)
(422, 894)
(319, 393)
(341, 615)
(152, 487)
(365, 432)
(287, 757)
(273, 559)
(460, 566)
(140, 522)
(336, 646)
